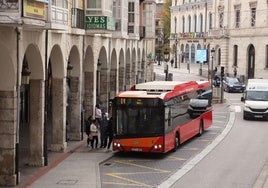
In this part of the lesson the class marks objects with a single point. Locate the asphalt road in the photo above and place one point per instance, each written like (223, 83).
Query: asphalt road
(237, 161)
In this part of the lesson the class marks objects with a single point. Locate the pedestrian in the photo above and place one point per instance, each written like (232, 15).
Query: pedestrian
(109, 133)
(94, 133)
(103, 127)
(98, 113)
(172, 62)
(87, 130)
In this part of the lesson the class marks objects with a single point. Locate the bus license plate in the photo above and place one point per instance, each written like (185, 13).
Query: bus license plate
(136, 149)
(258, 116)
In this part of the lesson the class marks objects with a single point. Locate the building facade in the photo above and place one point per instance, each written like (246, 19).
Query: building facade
(59, 59)
(237, 30)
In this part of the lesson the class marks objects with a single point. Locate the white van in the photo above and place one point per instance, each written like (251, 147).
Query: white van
(255, 99)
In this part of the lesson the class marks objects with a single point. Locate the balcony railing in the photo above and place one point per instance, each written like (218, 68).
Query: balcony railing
(188, 35)
(9, 4)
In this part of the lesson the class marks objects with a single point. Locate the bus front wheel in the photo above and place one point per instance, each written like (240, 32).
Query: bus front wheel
(176, 142)
(201, 128)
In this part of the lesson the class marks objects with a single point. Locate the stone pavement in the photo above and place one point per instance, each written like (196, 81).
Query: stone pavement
(79, 166)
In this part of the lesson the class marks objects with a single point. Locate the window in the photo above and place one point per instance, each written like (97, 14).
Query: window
(60, 3)
(189, 22)
(175, 25)
(195, 23)
(237, 19)
(183, 24)
(253, 16)
(235, 55)
(131, 12)
(221, 19)
(210, 20)
(94, 4)
(201, 22)
(117, 14)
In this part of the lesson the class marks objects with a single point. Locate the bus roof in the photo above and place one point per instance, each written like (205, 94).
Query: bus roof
(163, 89)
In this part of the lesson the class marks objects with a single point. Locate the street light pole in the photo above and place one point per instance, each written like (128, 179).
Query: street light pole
(166, 57)
(176, 49)
(211, 70)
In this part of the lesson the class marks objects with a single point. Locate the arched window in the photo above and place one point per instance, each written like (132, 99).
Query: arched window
(195, 23)
(183, 24)
(201, 22)
(189, 22)
(175, 25)
(210, 20)
(192, 53)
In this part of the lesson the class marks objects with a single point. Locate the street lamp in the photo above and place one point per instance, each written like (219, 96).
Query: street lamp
(166, 58)
(25, 74)
(212, 51)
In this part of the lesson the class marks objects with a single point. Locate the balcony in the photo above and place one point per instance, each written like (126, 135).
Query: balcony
(218, 33)
(57, 18)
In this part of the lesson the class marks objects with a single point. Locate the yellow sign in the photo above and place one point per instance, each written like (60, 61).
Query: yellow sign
(34, 9)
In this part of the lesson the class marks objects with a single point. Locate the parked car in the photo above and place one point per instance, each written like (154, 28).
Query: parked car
(233, 84)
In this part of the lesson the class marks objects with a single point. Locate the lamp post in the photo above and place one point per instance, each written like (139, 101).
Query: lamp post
(212, 51)
(166, 58)
(176, 49)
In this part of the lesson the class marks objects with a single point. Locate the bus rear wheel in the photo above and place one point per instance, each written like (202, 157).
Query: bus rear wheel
(176, 142)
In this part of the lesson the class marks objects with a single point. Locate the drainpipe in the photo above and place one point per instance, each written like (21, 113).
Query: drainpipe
(18, 108)
(46, 103)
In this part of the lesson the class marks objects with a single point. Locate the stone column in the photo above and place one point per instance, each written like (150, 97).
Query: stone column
(36, 155)
(58, 114)
(121, 78)
(8, 118)
(74, 106)
(113, 83)
(89, 94)
(104, 89)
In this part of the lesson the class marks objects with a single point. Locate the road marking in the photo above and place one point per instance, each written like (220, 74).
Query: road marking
(190, 148)
(177, 158)
(140, 166)
(188, 166)
(133, 182)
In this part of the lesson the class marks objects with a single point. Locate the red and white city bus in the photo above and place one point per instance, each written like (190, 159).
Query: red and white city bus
(158, 116)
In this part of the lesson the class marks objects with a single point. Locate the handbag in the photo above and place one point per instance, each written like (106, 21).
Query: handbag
(90, 137)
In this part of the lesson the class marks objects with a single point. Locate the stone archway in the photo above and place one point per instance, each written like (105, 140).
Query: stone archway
(31, 111)
(58, 102)
(73, 110)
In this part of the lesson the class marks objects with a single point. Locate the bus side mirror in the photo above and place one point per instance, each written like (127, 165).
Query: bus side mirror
(242, 99)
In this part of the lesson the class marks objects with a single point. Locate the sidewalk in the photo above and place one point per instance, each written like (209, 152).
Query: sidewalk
(77, 167)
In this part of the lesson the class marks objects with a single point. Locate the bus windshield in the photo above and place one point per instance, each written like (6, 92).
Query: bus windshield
(138, 121)
(257, 95)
